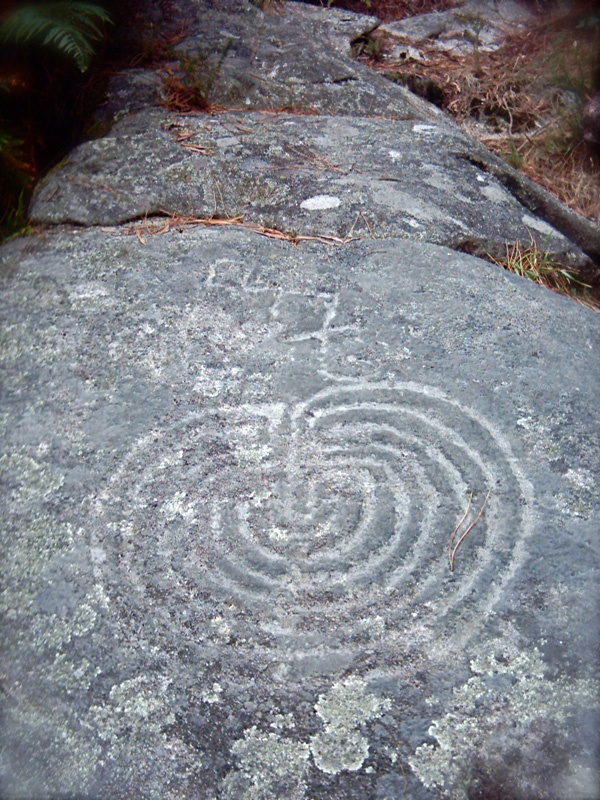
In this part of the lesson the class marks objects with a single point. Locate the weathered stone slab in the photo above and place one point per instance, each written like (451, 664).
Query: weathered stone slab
(296, 56)
(232, 470)
(319, 176)
(295, 522)
(474, 24)
(291, 56)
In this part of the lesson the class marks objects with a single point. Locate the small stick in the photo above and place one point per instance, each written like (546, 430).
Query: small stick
(184, 136)
(366, 222)
(351, 231)
(403, 771)
(468, 530)
(317, 159)
(198, 148)
(175, 220)
(216, 187)
(455, 531)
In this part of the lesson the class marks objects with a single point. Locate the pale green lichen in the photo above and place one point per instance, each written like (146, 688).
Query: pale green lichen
(337, 749)
(40, 540)
(19, 339)
(212, 695)
(31, 480)
(135, 707)
(281, 721)
(270, 768)
(503, 697)
(538, 433)
(222, 627)
(579, 500)
(69, 759)
(69, 676)
(178, 506)
(62, 630)
(12, 338)
(581, 479)
(374, 627)
(253, 455)
(549, 438)
(134, 724)
(341, 746)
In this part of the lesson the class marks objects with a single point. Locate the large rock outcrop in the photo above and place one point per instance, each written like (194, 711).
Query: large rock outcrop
(300, 500)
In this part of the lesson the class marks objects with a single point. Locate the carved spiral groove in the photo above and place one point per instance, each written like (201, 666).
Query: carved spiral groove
(326, 507)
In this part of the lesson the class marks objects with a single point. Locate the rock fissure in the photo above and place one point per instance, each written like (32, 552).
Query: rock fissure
(535, 198)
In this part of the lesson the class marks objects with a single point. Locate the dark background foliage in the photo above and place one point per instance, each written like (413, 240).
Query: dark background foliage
(46, 93)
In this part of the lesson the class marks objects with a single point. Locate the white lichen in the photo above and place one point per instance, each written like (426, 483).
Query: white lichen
(212, 695)
(34, 482)
(341, 745)
(270, 767)
(178, 506)
(504, 696)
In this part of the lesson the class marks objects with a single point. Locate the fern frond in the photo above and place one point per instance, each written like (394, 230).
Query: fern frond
(69, 26)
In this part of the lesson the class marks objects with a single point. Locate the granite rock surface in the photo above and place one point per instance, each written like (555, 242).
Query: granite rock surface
(480, 24)
(301, 500)
(323, 176)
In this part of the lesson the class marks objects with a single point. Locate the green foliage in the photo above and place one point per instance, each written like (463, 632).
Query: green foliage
(15, 183)
(513, 156)
(13, 220)
(38, 91)
(373, 48)
(9, 159)
(190, 86)
(69, 27)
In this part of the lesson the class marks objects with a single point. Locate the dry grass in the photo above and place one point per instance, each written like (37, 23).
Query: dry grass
(524, 101)
(538, 265)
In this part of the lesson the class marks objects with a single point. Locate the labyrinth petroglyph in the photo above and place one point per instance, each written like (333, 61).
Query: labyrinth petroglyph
(316, 509)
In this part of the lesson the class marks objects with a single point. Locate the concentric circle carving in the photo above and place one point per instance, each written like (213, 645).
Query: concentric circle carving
(324, 509)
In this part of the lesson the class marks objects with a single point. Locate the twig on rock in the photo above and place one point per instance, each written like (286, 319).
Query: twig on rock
(452, 550)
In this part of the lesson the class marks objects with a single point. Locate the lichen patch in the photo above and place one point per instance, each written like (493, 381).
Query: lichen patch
(270, 767)
(508, 697)
(341, 745)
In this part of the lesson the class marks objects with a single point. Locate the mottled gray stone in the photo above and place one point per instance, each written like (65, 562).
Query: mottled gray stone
(474, 24)
(272, 63)
(235, 470)
(295, 56)
(319, 176)
(128, 91)
(232, 470)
